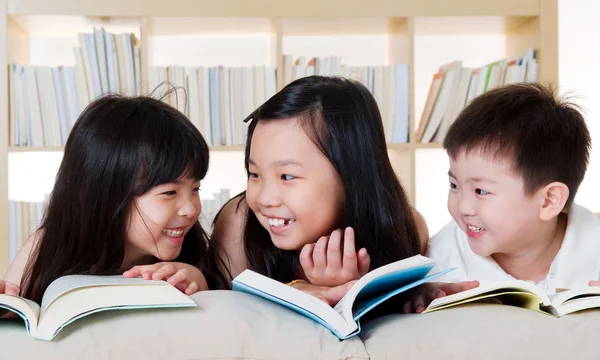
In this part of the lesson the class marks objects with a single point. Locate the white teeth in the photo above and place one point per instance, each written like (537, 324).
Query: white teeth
(474, 228)
(279, 222)
(173, 233)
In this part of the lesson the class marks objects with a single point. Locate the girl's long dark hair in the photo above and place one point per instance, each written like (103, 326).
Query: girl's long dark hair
(119, 148)
(343, 120)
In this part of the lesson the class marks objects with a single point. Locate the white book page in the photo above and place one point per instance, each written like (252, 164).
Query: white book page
(493, 287)
(569, 301)
(296, 297)
(24, 307)
(85, 301)
(65, 284)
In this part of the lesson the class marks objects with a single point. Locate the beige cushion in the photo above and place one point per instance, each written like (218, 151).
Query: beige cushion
(225, 325)
(484, 331)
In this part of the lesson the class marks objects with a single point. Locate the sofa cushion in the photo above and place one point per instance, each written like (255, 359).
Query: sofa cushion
(483, 331)
(224, 325)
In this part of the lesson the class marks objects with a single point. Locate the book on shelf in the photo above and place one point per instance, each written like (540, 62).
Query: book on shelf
(369, 291)
(389, 84)
(73, 297)
(24, 218)
(525, 295)
(454, 86)
(46, 101)
(216, 98)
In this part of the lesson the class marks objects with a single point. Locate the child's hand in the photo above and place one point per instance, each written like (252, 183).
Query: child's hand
(423, 295)
(8, 288)
(330, 295)
(187, 278)
(594, 283)
(324, 263)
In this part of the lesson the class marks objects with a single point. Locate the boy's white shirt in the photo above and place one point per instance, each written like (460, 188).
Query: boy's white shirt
(576, 263)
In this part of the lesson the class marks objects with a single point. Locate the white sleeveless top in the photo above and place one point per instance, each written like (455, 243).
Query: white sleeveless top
(576, 263)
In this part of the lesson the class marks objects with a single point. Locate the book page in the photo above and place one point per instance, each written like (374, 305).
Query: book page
(570, 301)
(68, 283)
(384, 279)
(85, 301)
(26, 309)
(490, 290)
(294, 299)
(512, 298)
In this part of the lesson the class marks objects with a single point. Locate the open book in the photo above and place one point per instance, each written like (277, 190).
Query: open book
(369, 291)
(72, 297)
(523, 294)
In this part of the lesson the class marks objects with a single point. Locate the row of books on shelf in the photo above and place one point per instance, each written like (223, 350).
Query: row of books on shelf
(389, 84)
(23, 220)
(216, 99)
(46, 101)
(454, 86)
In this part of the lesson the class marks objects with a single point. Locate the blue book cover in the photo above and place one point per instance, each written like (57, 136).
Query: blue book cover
(343, 320)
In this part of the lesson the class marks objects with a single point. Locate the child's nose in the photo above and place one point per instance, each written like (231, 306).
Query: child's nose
(466, 208)
(268, 196)
(190, 208)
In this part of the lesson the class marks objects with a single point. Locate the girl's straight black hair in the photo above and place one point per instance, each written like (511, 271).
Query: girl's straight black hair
(343, 120)
(119, 148)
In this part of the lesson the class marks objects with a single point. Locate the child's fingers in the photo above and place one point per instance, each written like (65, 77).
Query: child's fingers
(192, 288)
(453, 288)
(306, 258)
(320, 255)
(11, 289)
(334, 255)
(336, 293)
(148, 270)
(407, 307)
(364, 262)
(350, 261)
(594, 283)
(133, 272)
(8, 288)
(180, 276)
(419, 304)
(164, 272)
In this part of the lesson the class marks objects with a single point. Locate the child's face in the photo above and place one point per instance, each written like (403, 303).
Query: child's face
(162, 217)
(293, 189)
(488, 202)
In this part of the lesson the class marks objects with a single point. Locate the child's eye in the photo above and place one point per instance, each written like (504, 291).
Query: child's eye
(197, 189)
(287, 177)
(169, 193)
(453, 186)
(481, 192)
(253, 175)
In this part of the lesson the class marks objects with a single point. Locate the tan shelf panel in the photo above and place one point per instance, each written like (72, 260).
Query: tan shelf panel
(221, 147)
(469, 25)
(70, 25)
(61, 148)
(269, 8)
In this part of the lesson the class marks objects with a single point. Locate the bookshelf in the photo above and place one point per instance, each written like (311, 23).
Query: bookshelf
(404, 32)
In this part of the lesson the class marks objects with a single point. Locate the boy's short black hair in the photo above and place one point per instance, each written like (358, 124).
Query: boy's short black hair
(544, 136)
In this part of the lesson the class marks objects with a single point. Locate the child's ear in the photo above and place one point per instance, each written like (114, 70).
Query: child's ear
(555, 196)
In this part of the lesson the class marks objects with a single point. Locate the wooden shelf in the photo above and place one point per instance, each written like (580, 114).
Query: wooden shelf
(269, 8)
(61, 148)
(404, 147)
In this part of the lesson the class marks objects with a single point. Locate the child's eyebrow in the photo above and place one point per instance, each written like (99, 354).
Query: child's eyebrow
(279, 163)
(475, 179)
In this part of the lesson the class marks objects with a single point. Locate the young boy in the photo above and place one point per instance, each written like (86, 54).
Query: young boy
(517, 157)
